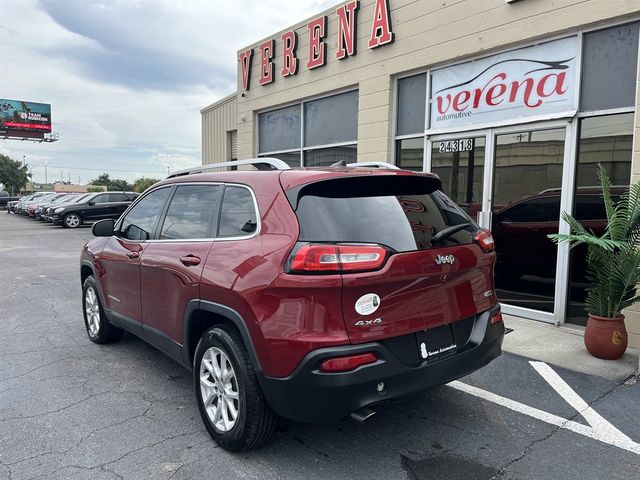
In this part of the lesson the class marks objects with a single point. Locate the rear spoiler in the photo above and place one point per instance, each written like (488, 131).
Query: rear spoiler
(365, 186)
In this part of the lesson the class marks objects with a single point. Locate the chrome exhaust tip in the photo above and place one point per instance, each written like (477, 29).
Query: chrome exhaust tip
(362, 415)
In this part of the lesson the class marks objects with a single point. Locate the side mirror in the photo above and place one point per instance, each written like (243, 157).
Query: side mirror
(91, 203)
(103, 228)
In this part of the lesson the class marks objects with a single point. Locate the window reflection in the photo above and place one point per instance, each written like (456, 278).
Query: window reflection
(526, 208)
(607, 140)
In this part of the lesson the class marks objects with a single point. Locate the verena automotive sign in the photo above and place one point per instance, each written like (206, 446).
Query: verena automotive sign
(532, 81)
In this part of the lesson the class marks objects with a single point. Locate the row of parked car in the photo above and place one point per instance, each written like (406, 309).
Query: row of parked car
(72, 209)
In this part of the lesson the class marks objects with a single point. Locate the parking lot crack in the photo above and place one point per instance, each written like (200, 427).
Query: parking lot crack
(25, 417)
(24, 374)
(554, 430)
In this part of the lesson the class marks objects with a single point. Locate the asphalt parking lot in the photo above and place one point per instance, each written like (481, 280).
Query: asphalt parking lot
(70, 409)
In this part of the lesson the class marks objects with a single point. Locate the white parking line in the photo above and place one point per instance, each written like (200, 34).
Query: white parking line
(598, 429)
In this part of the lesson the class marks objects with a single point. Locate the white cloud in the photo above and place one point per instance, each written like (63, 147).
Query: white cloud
(126, 79)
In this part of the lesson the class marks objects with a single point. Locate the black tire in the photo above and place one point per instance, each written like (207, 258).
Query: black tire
(105, 332)
(255, 420)
(69, 220)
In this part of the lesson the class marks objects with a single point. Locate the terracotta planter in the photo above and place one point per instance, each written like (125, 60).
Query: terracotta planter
(606, 337)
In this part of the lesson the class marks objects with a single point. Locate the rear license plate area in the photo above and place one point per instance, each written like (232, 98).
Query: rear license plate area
(435, 342)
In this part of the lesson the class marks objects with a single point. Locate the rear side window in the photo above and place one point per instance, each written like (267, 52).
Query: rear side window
(190, 212)
(238, 213)
(402, 222)
(142, 219)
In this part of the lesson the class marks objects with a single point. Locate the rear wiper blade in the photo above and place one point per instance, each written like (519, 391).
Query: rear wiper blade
(447, 232)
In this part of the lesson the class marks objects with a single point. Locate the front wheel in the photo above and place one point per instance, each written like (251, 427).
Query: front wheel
(71, 220)
(229, 398)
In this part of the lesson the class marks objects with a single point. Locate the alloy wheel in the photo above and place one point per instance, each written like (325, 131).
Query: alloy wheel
(72, 220)
(219, 389)
(92, 310)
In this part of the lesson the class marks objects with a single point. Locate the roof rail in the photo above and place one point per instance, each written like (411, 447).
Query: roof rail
(265, 163)
(374, 164)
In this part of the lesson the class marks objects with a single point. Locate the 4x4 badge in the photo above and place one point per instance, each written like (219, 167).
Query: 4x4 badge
(441, 259)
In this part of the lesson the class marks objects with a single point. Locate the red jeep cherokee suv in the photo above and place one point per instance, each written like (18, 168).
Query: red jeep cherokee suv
(306, 293)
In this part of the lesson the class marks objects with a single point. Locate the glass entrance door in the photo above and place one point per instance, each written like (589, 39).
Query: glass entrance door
(525, 206)
(460, 162)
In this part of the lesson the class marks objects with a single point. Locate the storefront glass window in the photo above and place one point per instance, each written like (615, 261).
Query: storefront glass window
(327, 121)
(331, 120)
(410, 153)
(292, 158)
(607, 140)
(609, 66)
(460, 165)
(412, 94)
(526, 208)
(323, 157)
(279, 129)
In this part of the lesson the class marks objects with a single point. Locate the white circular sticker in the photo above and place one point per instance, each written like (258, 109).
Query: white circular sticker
(367, 304)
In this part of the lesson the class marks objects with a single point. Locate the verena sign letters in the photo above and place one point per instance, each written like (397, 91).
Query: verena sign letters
(288, 59)
(532, 81)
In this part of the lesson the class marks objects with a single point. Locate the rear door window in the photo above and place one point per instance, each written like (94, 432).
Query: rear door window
(401, 221)
(191, 212)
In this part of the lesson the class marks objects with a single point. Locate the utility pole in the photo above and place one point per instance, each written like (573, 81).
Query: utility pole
(46, 178)
(168, 173)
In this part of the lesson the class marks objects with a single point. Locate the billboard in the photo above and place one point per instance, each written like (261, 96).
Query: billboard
(18, 117)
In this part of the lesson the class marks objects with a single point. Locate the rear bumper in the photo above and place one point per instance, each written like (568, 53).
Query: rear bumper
(308, 395)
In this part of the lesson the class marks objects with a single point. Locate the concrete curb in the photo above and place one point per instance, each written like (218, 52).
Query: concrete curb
(564, 347)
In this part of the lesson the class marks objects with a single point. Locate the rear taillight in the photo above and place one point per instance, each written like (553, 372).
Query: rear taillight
(344, 364)
(338, 258)
(485, 240)
(496, 318)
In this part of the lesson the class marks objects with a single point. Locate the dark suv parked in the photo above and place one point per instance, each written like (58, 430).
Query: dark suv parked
(98, 206)
(306, 293)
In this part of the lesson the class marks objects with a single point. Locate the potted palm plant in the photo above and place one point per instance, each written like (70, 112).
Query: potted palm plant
(613, 269)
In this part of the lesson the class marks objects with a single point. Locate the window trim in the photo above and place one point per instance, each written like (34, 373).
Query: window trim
(174, 186)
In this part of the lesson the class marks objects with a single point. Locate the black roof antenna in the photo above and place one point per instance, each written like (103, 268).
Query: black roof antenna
(341, 163)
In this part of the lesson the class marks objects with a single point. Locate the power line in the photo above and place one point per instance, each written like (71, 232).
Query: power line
(104, 169)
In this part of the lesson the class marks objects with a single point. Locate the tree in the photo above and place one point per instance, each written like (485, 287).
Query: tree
(13, 175)
(111, 184)
(120, 185)
(142, 183)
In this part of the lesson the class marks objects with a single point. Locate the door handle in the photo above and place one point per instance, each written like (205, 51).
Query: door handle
(190, 261)
(133, 254)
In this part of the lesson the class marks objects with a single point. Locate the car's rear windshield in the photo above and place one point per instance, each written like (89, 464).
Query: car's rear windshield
(404, 217)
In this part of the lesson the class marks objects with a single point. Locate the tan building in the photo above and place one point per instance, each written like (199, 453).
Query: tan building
(512, 103)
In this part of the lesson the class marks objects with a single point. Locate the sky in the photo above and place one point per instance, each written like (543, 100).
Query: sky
(126, 79)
